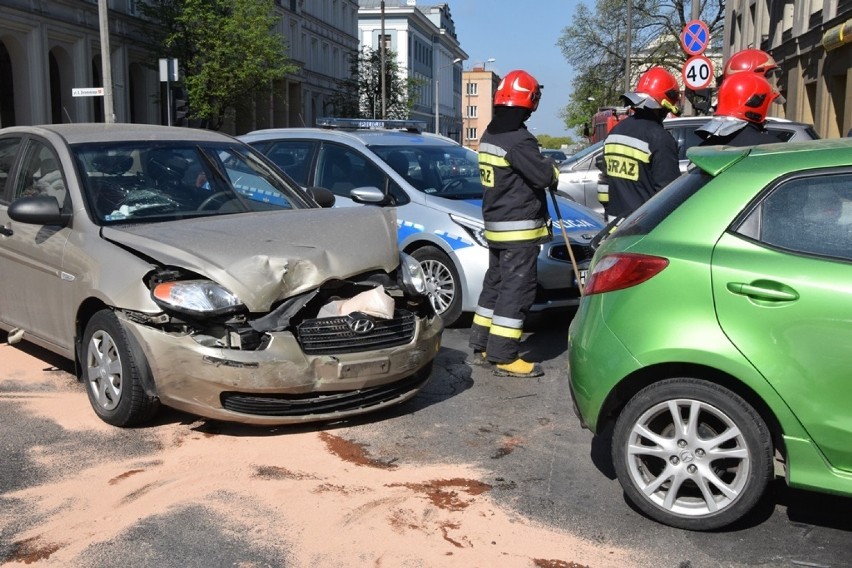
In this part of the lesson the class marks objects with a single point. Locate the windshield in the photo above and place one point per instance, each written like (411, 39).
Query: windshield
(146, 181)
(449, 171)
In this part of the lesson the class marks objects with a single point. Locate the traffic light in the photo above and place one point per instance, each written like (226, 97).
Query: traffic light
(180, 107)
(701, 99)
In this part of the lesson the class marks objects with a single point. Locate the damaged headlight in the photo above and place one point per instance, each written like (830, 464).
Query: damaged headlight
(412, 274)
(200, 298)
(475, 229)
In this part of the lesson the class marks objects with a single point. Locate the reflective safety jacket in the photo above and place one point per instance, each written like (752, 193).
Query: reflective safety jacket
(515, 177)
(641, 159)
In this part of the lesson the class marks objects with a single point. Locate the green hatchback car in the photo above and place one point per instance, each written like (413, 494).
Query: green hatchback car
(714, 338)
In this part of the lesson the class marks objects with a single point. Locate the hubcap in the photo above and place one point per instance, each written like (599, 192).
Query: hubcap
(440, 286)
(688, 457)
(103, 369)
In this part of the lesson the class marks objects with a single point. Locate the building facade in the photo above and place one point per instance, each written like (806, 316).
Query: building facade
(424, 40)
(479, 87)
(811, 40)
(48, 48)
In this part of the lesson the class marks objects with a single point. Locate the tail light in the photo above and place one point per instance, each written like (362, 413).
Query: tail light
(623, 270)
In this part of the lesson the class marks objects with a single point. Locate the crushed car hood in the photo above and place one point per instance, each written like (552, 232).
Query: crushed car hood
(267, 257)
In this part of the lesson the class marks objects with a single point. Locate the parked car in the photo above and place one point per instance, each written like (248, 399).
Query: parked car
(433, 185)
(579, 177)
(714, 331)
(683, 129)
(558, 155)
(180, 267)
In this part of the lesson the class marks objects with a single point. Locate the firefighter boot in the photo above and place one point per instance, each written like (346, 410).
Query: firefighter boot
(478, 359)
(518, 368)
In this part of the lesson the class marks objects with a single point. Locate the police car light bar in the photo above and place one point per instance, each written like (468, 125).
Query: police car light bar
(410, 125)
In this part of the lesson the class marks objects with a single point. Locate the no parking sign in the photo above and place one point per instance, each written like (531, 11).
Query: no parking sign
(695, 37)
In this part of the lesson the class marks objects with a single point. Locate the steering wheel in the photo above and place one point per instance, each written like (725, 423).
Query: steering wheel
(453, 184)
(211, 198)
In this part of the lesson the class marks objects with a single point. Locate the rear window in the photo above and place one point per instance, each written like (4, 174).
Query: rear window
(654, 211)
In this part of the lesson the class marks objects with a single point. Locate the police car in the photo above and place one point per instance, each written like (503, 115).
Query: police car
(433, 183)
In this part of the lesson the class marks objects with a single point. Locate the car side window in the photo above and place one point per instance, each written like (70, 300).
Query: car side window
(294, 157)
(341, 169)
(8, 151)
(810, 215)
(40, 174)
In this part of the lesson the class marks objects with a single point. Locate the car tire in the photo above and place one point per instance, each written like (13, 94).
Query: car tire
(113, 368)
(704, 474)
(443, 285)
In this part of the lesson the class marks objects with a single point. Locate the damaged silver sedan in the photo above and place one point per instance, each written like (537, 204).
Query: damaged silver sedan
(177, 267)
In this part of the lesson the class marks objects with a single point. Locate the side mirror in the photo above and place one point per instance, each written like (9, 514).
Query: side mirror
(38, 210)
(368, 195)
(322, 196)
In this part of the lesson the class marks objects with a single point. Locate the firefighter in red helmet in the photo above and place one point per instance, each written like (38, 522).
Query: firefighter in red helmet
(750, 60)
(515, 178)
(740, 117)
(640, 156)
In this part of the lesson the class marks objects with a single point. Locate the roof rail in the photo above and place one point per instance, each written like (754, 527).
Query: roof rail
(372, 124)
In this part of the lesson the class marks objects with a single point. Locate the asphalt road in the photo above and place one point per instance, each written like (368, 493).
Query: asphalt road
(522, 433)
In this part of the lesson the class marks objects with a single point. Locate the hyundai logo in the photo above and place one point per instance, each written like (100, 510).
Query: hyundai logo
(360, 323)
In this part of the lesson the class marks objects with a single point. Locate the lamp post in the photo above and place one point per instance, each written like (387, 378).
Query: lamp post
(438, 96)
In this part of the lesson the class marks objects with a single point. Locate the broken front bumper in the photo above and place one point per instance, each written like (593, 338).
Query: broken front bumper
(280, 384)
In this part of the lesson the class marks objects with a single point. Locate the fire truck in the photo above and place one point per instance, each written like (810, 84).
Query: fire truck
(604, 120)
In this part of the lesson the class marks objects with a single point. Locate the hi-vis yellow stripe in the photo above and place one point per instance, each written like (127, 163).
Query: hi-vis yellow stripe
(481, 320)
(524, 235)
(509, 332)
(493, 160)
(627, 151)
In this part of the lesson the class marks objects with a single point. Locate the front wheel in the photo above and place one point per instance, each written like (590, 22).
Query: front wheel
(443, 285)
(113, 371)
(692, 454)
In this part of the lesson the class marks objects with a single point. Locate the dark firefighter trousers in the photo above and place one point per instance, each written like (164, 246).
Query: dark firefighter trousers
(508, 291)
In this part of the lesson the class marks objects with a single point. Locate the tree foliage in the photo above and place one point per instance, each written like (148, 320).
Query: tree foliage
(554, 142)
(594, 45)
(360, 95)
(227, 50)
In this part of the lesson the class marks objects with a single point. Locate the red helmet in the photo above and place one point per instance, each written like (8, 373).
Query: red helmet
(657, 88)
(754, 60)
(746, 96)
(518, 88)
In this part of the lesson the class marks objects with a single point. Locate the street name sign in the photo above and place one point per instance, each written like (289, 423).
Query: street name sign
(88, 92)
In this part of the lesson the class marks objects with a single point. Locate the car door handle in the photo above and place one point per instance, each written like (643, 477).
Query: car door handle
(6, 231)
(762, 291)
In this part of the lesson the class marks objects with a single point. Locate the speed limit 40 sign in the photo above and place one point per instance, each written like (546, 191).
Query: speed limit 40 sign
(697, 72)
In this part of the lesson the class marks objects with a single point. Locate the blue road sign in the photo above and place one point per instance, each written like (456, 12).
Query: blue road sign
(695, 37)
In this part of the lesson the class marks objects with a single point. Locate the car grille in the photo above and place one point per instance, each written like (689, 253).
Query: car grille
(355, 333)
(318, 403)
(581, 252)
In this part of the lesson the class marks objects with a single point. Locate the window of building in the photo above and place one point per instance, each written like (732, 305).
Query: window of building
(471, 112)
(470, 134)
(473, 89)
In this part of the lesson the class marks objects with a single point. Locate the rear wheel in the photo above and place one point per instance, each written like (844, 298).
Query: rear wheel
(692, 454)
(113, 370)
(443, 285)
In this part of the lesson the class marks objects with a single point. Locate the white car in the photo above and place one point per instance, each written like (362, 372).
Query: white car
(580, 178)
(433, 184)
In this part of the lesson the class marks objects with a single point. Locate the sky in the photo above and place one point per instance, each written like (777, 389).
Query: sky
(520, 34)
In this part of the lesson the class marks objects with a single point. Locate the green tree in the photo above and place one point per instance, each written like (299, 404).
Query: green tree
(554, 142)
(360, 95)
(227, 51)
(594, 45)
